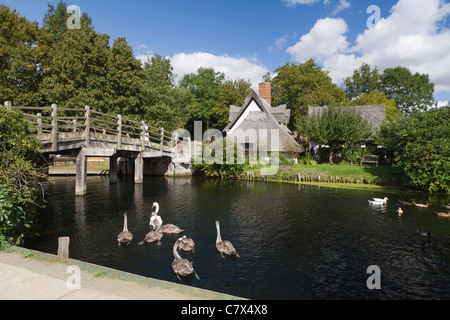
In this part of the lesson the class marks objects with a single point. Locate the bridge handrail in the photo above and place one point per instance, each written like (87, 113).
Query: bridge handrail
(93, 122)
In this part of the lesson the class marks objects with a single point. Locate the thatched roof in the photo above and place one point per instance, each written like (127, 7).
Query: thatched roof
(375, 114)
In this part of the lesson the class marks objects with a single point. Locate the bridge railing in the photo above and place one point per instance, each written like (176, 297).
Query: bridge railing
(93, 124)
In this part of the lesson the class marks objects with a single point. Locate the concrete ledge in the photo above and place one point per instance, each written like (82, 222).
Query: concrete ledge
(32, 275)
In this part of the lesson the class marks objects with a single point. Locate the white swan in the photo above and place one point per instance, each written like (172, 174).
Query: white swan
(125, 236)
(224, 247)
(378, 201)
(155, 219)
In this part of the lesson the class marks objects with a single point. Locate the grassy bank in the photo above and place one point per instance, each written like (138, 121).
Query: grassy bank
(332, 174)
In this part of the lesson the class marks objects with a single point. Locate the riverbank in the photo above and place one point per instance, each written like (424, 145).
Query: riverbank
(342, 176)
(32, 275)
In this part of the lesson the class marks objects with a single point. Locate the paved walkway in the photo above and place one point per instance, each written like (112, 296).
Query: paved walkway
(31, 275)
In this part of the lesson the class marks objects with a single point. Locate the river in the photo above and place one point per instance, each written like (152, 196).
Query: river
(294, 241)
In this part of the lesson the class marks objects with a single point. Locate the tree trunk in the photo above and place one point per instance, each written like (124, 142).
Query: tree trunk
(331, 155)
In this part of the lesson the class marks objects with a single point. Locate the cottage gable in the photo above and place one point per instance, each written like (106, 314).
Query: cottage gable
(257, 114)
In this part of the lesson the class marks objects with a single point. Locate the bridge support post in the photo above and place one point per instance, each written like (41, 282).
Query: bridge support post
(113, 169)
(139, 169)
(81, 171)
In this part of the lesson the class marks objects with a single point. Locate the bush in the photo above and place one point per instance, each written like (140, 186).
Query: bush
(19, 156)
(221, 170)
(420, 145)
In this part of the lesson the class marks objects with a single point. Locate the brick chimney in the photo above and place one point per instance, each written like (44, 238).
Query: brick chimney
(265, 92)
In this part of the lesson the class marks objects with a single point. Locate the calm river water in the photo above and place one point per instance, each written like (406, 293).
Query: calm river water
(294, 241)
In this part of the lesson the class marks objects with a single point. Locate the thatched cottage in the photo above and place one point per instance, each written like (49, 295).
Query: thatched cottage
(375, 115)
(257, 116)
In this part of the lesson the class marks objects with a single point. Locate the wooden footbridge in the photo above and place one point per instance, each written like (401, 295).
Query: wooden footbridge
(84, 133)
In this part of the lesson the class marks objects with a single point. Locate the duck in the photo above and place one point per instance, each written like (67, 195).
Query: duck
(181, 267)
(406, 203)
(421, 205)
(424, 234)
(443, 215)
(447, 206)
(155, 219)
(186, 244)
(378, 201)
(400, 212)
(224, 247)
(170, 229)
(445, 240)
(125, 236)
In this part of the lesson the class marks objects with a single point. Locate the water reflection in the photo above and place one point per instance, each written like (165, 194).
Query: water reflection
(294, 241)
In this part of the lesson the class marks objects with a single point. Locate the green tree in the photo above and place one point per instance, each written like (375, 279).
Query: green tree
(78, 71)
(205, 88)
(20, 59)
(303, 85)
(409, 91)
(375, 98)
(164, 104)
(334, 126)
(19, 156)
(420, 145)
(55, 20)
(363, 81)
(234, 93)
(125, 78)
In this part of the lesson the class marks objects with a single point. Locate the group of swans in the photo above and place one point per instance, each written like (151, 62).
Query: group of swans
(158, 229)
(181, 267)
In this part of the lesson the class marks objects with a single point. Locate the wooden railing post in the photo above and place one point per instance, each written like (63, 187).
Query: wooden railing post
(74, 123)
(87, 123)
(54, 134)
(39, 123)
(143, 134)
(8, 105)
(63, 248)
(119, 132)
(162, 139)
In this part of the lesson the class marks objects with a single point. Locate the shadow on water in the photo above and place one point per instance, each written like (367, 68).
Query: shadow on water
(294, 241)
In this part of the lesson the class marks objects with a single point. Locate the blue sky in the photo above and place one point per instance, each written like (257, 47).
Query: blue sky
(247, 38)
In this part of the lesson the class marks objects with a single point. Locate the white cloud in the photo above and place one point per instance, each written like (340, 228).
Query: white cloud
(233, 67)
(293, 3)
(142, 47)
(326, 39)
(343, 4)
(410, 37)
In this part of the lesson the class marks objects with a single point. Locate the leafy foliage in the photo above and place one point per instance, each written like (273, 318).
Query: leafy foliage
(334, 126)
(19, 155)
(363, 81)
(222, 170)
(303, 85)
(20, 56)
(420, 145)
(164, 103)
(407, 91)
